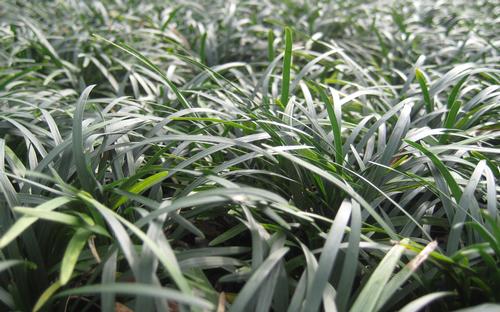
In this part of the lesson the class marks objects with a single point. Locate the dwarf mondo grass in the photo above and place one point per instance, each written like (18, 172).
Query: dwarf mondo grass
(249, 155)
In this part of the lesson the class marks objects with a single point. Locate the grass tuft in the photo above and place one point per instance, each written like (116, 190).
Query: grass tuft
(249, 156)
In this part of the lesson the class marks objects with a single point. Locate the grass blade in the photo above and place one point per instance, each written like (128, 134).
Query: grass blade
(72, 253)
(425, 91)
(421, 302)
(82, 167)
(139, 290)
(287, 64)
(24, 222)
(368, 299)
(327, 259)
(253, 284)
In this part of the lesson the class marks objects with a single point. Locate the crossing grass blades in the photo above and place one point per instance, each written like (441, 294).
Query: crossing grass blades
(249, 155)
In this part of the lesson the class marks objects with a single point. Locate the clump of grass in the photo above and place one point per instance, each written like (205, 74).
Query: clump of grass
(248, 156)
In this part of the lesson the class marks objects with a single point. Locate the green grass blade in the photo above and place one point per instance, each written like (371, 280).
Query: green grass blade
(82, 167)
(270, 45)
(425, 90)
(46, 296)
(150, 65)
(4, 265)
(467, 203)
(72, 253)
(368, 299)
(342, 186)
(108, 276)
(419, 303)
(257, 278)
(287, 65)
(141, 186)
(328, 256)
(334, 114)
(232, 232)
(350, 266)
(169, 263)
(54, 216)
(24, 222)
(393, 286)
(139, 290)
(452, 184)
(455, 91)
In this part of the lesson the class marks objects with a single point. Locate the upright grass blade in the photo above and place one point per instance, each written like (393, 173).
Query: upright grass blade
(455, 92)
(451, 117)
(467, 204)
(47, 295)
(203, 41)
(425, 90)
(350, 266)
(8, 191)
(270, 45)
(108, 277)
(334, 114)
(287, 65)
(71, 254)
(454, 106)
(327, 259)
(395, 283)
(85, 176)
(253, 284)
(369, 297)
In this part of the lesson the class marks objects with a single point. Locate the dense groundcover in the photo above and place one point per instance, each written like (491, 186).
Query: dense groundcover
(263, 155)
